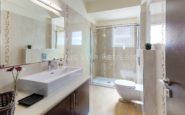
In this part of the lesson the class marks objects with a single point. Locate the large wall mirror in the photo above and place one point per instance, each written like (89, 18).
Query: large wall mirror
(31, 31)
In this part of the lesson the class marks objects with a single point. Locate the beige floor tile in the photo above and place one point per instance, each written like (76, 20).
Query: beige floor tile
(104, 101)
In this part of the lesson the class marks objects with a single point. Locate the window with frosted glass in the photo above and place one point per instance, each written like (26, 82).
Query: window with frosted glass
(157, 34)
(123, 37)
(77, 38)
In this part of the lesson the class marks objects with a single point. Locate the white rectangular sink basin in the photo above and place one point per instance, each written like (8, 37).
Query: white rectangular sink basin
(47, 82)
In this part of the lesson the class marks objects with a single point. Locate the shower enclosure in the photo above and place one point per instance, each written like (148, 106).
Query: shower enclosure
(114, 54)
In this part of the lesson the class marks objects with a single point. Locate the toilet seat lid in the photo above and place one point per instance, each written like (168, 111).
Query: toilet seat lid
(125, 83)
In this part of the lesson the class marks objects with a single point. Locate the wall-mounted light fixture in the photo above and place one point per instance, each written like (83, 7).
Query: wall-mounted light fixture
(48, 5)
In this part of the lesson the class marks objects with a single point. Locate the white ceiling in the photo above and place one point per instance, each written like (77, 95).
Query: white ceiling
(110, 10)
(104, 5)
(123, 13)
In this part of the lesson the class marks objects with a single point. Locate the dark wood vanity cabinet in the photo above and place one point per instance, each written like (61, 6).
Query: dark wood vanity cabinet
(77, 103)
(82, 99)
(63, 108)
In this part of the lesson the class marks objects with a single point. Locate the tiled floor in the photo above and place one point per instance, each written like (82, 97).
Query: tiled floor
(104, 101)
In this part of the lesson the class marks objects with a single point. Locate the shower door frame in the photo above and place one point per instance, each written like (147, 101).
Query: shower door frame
(93, 45)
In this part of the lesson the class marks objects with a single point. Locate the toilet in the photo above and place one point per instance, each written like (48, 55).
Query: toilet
(128, 90)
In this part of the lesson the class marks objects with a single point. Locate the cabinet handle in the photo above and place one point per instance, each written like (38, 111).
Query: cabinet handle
(71, 104)
(74, 102)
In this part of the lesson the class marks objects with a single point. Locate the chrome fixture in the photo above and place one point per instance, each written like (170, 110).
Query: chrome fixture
(52, 65)
(48, 5)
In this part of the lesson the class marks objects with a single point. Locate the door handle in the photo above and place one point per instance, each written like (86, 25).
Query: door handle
(167, 82)
(168, 86)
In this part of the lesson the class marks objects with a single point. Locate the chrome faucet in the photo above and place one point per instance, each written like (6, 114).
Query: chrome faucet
(49, 65)
(53, 64)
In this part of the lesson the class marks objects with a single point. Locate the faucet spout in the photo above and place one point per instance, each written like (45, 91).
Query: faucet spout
(49, 65)
(52, 65)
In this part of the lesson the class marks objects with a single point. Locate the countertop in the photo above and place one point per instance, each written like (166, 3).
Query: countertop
(43, 106)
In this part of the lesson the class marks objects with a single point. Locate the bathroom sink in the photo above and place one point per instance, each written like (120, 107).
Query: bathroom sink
(47, 82)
